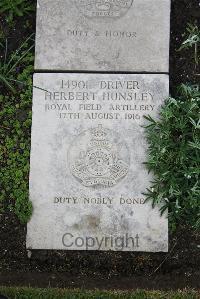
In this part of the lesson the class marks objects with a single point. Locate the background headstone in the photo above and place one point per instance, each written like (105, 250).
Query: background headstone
(108, 35)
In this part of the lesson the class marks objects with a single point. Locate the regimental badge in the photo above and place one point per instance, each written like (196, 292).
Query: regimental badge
(104, 8)
(99, 157)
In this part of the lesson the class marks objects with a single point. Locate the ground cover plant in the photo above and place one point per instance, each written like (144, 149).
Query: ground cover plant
(174, 157)
(15, 8)
(15, 115)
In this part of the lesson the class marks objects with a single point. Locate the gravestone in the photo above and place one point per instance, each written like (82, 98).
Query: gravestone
(87, 174)
(109, 35)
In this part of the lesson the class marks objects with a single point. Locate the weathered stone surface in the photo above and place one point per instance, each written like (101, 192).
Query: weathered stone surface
(108, 35)
(87, 174)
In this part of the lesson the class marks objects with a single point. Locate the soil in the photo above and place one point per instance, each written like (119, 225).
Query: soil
(182, 67)
(179, 268)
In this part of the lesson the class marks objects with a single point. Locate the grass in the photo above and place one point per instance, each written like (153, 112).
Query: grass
(192, 40)
(30, 293)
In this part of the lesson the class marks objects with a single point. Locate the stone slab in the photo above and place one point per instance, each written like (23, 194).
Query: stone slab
(87, 176)
(106, 35)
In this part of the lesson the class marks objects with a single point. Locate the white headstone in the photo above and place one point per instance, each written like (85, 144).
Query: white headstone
(87, 175)
(105, 35)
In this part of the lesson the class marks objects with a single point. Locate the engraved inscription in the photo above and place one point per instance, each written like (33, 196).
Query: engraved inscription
(104, 8)
(98, 158)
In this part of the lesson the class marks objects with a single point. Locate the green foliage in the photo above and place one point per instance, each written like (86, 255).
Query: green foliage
(9, 64)
(15, 123)
(2, 34)
(192, 39)
(30, 293)
(15, 8)
(174, 157)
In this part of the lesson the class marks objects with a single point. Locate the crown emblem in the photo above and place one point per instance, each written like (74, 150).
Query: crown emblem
(104, 8)
(99, 132)
(99, 138)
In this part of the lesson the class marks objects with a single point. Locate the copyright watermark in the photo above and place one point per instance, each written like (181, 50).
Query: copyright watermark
(101, 243)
